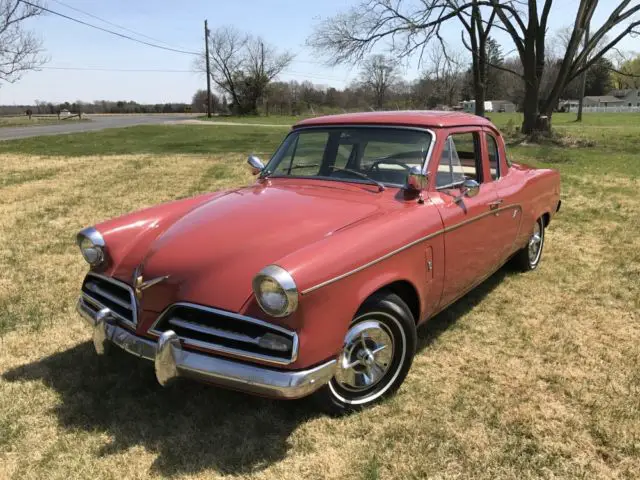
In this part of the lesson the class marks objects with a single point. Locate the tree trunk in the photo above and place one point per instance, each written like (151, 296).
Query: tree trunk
(583, 80)
(530, 108)
(479, 95)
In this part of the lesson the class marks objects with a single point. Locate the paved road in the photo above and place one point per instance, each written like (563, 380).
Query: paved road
(98, 122)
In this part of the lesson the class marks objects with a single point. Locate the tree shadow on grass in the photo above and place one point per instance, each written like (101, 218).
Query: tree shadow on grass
(191, 426)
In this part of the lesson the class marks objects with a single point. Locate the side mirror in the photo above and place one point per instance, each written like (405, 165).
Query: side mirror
(470, 188)
(416, 180)
(256, 164)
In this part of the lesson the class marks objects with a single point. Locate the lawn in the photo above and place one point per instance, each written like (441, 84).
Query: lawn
(529, 376)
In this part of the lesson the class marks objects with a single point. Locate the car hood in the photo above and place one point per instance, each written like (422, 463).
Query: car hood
(212, 252)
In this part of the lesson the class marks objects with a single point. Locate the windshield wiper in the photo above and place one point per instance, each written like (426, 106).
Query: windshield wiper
(380, 185)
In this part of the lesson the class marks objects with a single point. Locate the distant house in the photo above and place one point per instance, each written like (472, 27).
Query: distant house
(603, 101)
(469, 106)
(568, 105)
(629, 97)
(502, 106)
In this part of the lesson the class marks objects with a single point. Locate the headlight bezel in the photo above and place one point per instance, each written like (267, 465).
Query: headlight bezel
(97, 244)
(287, 285)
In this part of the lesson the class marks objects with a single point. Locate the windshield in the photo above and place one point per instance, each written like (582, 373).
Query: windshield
(352, 154)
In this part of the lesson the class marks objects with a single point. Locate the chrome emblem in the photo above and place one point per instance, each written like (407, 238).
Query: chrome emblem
(139, 283)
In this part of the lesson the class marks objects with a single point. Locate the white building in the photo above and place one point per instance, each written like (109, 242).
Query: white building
(469, 106)
(629, 97)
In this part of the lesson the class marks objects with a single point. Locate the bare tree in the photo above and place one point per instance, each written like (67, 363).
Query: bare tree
(477, 32)
(408, 30)
(379, 73)
(20, 50)
(446, 72)
(527, 28)
(626, 72)
(242, 66)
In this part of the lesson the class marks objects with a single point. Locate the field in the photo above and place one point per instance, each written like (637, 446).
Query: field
(529, 376)
(24, 121)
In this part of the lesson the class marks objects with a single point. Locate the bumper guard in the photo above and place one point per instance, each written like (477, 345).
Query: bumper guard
(172, 361)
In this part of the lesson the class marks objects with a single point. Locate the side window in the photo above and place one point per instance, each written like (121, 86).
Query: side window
(494, 157)
(459, 160)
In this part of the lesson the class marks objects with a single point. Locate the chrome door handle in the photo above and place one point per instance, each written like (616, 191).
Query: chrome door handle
(496, 204)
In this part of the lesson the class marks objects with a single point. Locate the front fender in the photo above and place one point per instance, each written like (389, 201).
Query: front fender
(337, 274)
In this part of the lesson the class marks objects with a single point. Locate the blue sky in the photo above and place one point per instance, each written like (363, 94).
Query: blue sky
(283, 23)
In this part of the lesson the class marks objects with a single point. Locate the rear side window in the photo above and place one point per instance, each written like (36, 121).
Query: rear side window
(494, 157)
(459, 160)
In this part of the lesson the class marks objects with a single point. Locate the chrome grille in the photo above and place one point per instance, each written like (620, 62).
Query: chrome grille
(105, 292)
(227, 332)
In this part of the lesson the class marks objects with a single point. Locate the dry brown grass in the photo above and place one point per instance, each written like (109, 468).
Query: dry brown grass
(529, 376)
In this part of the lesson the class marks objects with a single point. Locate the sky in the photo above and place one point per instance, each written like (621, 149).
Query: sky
(284, 24)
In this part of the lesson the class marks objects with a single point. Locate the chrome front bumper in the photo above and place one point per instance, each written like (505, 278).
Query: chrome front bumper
(172, 361)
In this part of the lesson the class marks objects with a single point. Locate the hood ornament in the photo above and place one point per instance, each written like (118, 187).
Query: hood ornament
(139, 283)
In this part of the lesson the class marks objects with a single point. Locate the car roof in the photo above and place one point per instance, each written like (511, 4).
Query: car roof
(419, 118)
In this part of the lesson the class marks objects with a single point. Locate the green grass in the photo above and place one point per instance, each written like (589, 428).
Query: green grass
(287, 120)
(152, 139)
(500, 119)
(528, 376)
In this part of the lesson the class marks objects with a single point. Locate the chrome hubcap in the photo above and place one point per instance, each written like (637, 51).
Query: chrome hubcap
(366, 356)
(535, 243)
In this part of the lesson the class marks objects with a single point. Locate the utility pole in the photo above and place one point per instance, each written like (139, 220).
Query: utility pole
(583, 80)
(206, 52)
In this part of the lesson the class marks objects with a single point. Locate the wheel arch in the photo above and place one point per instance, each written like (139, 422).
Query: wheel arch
(546, 219)
(407, 292)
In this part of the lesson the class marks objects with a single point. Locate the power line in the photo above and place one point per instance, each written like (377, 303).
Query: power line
(136, 70)
(122, 35)
(110, 23)
(162, 70)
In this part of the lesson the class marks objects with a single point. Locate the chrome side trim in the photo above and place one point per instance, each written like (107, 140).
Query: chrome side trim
(174, 362)
(133, 308)
(409, 245)
(371, 263)
(482, 215)
(214, 347)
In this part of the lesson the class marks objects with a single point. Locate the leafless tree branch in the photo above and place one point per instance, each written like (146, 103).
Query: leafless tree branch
(20, 50)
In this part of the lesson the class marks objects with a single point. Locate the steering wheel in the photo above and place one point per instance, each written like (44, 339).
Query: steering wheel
(389, 161)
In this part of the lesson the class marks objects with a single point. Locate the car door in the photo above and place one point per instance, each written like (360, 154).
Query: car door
(508, 213)
(470, 235)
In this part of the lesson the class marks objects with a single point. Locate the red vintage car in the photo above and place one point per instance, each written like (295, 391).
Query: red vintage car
(360, 228)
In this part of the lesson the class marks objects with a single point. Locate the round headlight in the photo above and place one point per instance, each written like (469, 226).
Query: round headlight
(91, 246)
(275, 291)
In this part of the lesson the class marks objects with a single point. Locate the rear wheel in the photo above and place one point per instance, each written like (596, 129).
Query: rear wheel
(377, 353)
(528, 258)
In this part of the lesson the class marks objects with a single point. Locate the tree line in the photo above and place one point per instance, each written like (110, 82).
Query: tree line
(445, 81)
(100, 106)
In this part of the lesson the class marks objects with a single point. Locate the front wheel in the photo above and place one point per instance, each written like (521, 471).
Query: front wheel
(376, 356)
(528, 258)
